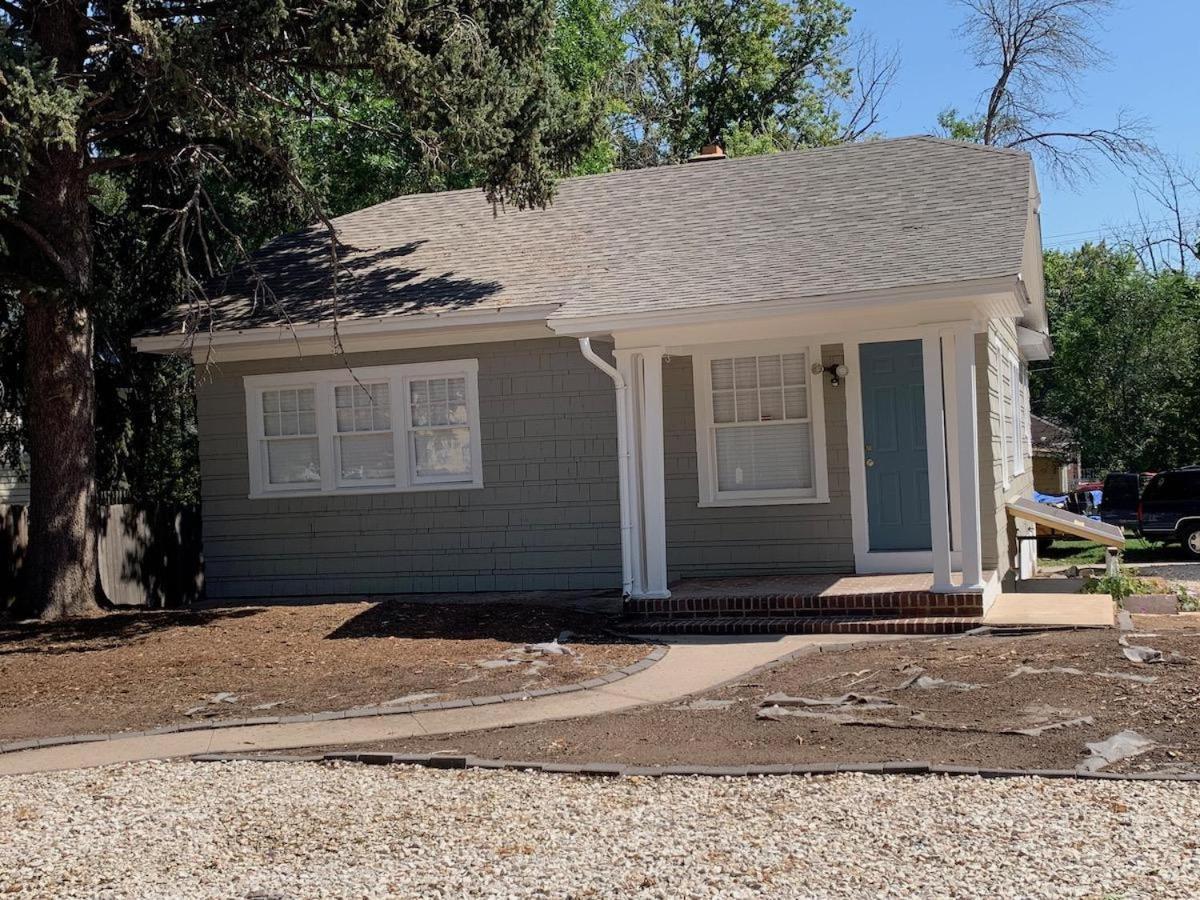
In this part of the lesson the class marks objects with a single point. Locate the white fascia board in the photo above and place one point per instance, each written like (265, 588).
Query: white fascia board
(348, 329)
(1004, 290)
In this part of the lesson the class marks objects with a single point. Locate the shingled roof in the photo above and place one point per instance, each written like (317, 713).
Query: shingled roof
(877, 215)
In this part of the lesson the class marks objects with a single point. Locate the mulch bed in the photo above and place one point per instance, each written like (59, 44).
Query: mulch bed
(938, 724)
(145, 669)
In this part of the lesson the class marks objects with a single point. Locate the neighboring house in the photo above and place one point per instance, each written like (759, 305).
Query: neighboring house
(1056, 462)
(14, 480)
(640, 383)
(14, 487)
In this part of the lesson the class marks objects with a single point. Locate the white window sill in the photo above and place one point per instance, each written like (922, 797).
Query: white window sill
(761, 501)
(375, 489)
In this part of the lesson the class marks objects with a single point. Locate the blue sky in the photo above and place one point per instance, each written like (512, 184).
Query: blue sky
(1152, 49)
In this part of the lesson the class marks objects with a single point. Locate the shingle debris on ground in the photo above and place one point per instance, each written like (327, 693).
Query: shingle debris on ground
(335, 830)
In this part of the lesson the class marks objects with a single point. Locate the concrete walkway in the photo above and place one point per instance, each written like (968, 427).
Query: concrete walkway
(692, 665)
(1065, 610)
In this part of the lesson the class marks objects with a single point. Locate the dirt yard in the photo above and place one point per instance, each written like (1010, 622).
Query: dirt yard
(137, 670)
(980, 701)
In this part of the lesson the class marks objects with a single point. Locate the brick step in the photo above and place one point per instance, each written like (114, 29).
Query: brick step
(802, 625)
(906, 604)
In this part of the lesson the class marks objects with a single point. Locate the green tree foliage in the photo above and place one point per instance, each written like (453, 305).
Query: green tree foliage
(146, 143)
(1126, 368)
(759, 73)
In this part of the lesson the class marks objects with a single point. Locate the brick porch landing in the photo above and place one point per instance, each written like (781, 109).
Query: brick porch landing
(853, 604)
(906, 595)
(808, 604)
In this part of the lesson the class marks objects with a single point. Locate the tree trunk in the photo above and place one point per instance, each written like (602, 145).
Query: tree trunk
(60, 571)
(54, 251)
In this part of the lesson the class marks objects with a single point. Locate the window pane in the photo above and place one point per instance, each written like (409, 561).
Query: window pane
(766, 457)
(438, 414)
(795, 368)
(723, 406)
(343, 396)
(306, 399)
(287, 401)
(771, 405)
(271, 423)
(367, 456)
(288, 422)
(444, 451)
(747, 406)
(796, 402)
(293, 462)
(768, 371)
(722, 374)
(745, 372)
(306, 422)
(345, 419)
(270, 401)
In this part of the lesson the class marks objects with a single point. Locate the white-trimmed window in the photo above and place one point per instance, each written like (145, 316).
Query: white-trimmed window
(1020, 416)
(369, 429)
(760, 435)
(1014, 417)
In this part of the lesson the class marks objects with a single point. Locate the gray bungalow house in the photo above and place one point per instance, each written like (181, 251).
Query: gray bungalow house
(810, 362)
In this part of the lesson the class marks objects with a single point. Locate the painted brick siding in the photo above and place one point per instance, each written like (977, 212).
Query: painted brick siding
(749, 540)
(999, 531)
(546, 518)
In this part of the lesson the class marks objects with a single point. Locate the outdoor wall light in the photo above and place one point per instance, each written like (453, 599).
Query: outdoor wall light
(837, 371)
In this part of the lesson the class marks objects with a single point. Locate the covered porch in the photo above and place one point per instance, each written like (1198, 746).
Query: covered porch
(886, 420)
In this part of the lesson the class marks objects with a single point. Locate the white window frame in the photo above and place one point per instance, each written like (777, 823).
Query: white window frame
(1020, 422)
(323, 382)
(706, 427)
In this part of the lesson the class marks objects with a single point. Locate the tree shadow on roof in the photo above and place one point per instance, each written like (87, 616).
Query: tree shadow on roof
(293, 283)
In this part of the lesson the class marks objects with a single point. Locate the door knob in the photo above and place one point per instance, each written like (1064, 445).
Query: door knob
(870, 462)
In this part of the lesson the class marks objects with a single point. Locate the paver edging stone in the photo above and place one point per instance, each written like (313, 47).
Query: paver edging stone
(359, 712)
(617, 770)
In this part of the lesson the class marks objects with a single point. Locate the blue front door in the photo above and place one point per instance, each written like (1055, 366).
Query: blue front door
(893, 402)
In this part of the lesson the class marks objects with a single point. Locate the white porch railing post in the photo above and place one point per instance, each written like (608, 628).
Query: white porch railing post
(654, 498)
(935, 444)
(968, 458)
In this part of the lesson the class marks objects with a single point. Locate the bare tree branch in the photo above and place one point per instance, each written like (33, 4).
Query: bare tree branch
(1039, 49)
(873, 76)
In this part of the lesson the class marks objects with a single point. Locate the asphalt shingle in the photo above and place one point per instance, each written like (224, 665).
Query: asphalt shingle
(860, 217)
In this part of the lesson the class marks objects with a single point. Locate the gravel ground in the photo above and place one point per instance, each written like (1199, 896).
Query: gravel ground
(304, 830)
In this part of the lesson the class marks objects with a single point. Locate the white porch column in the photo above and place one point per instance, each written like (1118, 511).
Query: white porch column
(654, 491)
(968, 458)
(935, 444)
(630, 368)
(642, 371)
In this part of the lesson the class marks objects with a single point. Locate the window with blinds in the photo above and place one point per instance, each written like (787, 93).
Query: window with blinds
(364, 433)
(291, 449)
(343, 431)
(760, 437)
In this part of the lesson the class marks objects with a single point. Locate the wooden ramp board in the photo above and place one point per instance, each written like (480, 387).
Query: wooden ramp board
(1068, 522)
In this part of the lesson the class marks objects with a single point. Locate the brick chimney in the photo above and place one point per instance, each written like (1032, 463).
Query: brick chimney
(708, 152)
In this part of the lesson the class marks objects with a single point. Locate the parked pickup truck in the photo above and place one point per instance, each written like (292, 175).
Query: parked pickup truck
(1170, 509)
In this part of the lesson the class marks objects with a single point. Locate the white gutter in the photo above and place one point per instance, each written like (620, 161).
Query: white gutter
(348, 327)
(623, 460)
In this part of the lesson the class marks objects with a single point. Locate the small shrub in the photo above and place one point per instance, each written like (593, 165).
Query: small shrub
(1188, 602)
(1124, 584)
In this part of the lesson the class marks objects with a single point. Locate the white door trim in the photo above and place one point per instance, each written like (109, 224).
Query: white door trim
(865, 561)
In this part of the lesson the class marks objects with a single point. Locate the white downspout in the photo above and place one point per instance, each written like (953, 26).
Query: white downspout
(623, 460)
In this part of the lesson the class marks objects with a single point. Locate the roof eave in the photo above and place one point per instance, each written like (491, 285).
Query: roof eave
(1003, 292)
(189, 343)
